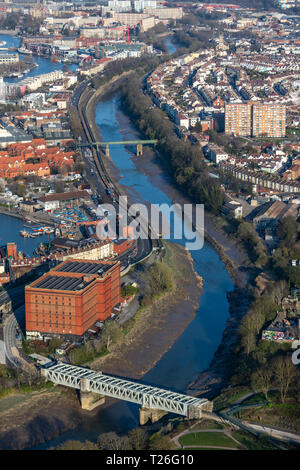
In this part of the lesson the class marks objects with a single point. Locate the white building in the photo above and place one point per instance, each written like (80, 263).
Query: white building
(217, 154)
(33, 83)
(141, 5)
(6, 59)
(33, 100)
(119, 5)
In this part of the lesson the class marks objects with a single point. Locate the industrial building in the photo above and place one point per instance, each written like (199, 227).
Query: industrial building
(70, 298)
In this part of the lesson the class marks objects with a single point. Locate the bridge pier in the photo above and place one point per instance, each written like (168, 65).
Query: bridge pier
(196, 413)
(90, 400)
(107, 150)
(152, 414)
(139, 150)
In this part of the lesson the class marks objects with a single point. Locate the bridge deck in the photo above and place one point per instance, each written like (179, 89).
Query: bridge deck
(145, 395)
(121, 142)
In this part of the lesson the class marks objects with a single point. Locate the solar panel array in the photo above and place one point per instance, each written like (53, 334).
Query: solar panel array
(83, 267)
(61, 283)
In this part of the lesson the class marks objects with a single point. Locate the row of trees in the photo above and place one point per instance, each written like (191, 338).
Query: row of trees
(280, 373)
(260, 364)
(12, 379)
(184, 160)
(114, 68)
(137, 439)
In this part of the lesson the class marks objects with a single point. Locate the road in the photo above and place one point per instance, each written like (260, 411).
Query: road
(276, 433)
(10, 330)
(12, 294)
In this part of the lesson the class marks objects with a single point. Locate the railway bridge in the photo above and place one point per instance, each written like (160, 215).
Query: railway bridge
(95, 386)
(139, 145)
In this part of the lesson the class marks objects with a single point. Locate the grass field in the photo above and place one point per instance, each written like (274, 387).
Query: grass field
(207, 424)
(207, 439)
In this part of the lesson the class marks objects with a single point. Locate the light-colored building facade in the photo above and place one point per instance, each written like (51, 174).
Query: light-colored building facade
(255, 119)
(238, 119)
(268, 120)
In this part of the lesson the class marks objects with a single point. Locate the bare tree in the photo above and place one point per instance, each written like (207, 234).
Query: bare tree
(284, 372)
(261, 380)
(111, 441)
(111, 333)
(138, 439)
(248, 333)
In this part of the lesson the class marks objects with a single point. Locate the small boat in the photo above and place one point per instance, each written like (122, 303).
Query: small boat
(23, 50)
(2, 43)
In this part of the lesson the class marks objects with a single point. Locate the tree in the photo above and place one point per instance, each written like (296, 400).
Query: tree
(111, 441)
(287, 230)
(159, 442)
(77, 445)
(112, 333)
(59, 186)
(248, 333)
(159, 278)
(138, 439)
(2, 184)
(261, 380)
(198, 127)
(284, 372)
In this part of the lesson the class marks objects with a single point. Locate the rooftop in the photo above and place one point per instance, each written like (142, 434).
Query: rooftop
(84, 267)
(61, 283)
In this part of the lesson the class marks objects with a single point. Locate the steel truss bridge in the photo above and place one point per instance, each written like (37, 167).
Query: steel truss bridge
(121, 142)
(88, 380)
(139, 145)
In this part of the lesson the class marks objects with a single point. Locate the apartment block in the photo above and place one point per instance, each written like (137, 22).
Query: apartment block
(238, 119)
(255, 119)
(268, 120)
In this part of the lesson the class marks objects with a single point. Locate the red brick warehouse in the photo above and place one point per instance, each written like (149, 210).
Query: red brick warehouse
(70, 298)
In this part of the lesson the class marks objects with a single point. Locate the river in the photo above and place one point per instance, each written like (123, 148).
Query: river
(10, 232)
(171, 46)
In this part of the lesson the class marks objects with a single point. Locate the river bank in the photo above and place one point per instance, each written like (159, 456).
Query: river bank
(28, 419)
(158, 325)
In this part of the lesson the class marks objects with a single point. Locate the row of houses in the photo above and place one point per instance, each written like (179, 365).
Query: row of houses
(260, 179)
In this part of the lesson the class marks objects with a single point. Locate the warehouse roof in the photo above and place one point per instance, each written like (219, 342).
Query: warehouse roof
(64, 196)
(61, 283)
(84, 267)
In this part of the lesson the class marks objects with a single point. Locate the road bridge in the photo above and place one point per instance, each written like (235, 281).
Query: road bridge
(139, 145)
(155, 401)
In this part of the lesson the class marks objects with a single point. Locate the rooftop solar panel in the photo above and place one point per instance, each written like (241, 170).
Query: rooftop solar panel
(82, 267)
(61, 283)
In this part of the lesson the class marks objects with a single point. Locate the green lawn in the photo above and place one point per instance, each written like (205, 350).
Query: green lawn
(202, 448)
(207, 439)
(207, 424)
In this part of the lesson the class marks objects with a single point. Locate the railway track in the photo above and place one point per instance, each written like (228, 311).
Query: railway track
(89, 137)
(144, 246)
